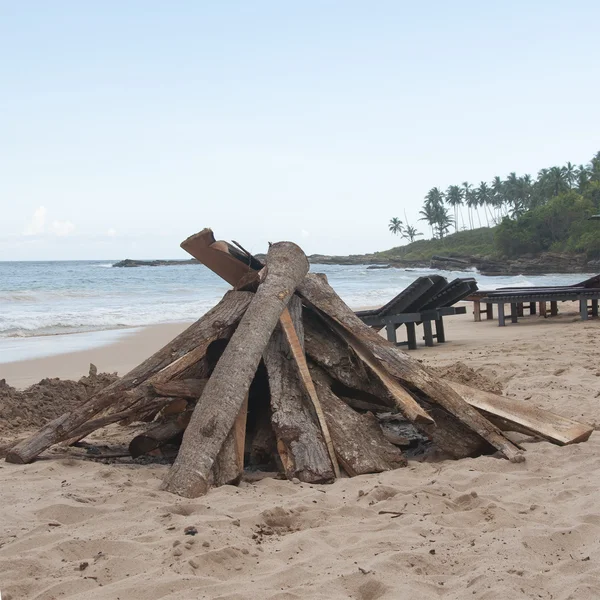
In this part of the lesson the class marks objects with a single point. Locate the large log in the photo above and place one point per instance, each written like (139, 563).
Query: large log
(358, 440)
(184, 350)
(300, 443)
(366, 342)
(337, 358)
(230, 381)
(516, 415)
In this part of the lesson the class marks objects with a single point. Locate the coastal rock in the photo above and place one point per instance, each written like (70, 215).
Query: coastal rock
(128, 262)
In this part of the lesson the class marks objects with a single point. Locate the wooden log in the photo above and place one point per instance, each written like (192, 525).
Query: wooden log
(229, 464)
(184, 350)
(391, 361)
(181, 388)
(523, 417)
(401, 398)
(300, 442)
(358, 440)
(159, 434)
(230, 381)
(337, 358)
(294, 336)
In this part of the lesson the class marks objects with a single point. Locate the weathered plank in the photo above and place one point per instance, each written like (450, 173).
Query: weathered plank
(524, 417)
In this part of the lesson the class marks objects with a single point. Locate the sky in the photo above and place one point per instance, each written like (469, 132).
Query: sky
(125, 127)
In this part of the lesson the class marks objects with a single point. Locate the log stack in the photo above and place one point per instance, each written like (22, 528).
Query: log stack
(281, 371)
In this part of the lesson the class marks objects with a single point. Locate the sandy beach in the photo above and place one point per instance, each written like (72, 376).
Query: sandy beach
(477, 528)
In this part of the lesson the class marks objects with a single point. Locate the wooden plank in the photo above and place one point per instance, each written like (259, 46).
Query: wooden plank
(536, 421)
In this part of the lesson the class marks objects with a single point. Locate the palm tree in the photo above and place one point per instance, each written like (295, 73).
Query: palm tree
(498, 196)
(410, 233)
(557, 180)
(395, 226)
(454, 197)
(583, 178)
(443, 221)
(469, 200)
(429, 215)
(570, 174)
(435, 196)
(484, 195)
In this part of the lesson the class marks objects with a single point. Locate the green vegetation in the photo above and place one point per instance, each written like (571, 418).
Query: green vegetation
(476, 242)
(520, 216)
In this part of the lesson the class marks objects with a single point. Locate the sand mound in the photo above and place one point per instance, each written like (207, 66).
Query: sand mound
(46, 400)
(460, 373)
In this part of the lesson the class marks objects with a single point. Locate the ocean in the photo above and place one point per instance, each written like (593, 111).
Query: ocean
(53, 307)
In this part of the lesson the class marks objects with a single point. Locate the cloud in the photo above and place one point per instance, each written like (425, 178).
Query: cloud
(111, 232)
(62, 228)
(305, 233)
(37, 224)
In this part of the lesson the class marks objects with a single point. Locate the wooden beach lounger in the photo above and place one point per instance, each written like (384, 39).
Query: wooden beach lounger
(480, 297)
(425, 300)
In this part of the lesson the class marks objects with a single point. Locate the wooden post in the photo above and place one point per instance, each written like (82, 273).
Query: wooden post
(594, 307)
(583, 309)
(543, 312)
(427, 333)
(520, 309)
(553, 308)
(501, 322)
(489, 311)
(230, 381)
(513, 312)
(439, 330)
(477, 310)
(532, 308)
(390, 330)
(411, 335)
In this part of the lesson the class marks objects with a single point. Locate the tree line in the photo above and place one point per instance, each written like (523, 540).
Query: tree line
(505, 200)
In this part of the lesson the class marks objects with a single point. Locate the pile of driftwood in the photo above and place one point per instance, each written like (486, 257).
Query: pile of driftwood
(282, 370)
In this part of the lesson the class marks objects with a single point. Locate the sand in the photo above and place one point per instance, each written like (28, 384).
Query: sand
(475, 528)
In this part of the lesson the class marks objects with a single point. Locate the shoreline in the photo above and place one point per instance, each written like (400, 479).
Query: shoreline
(120, 355)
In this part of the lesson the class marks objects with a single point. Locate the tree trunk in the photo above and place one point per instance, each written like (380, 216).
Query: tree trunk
(230, 381)
(407, 371)
(340, 362)
(187, 348)
(300, 443)
(358, 440)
